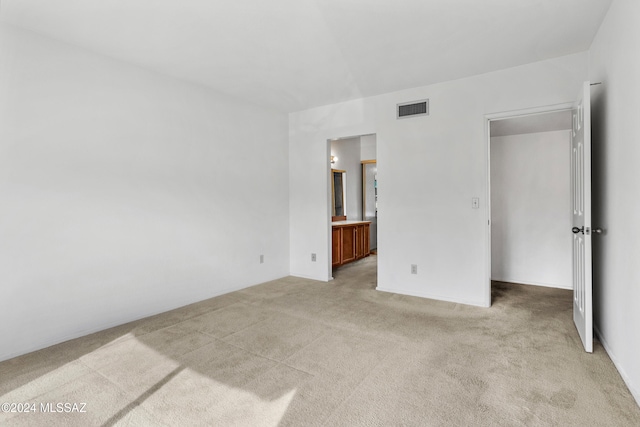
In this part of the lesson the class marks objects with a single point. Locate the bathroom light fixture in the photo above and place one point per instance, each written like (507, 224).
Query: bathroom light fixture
(333, 159)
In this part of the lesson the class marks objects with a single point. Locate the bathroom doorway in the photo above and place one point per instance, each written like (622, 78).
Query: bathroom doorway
(354, 232)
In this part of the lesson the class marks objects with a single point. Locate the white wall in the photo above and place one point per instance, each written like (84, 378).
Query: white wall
(126, 193)
(348, 153)
(530, 212)
(429, 169)
(615, 61)
(368, 147)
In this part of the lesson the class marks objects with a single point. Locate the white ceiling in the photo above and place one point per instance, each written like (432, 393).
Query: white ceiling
(545, 122)
(295, 54)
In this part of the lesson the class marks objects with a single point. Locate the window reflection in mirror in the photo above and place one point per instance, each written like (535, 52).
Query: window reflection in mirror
(338, 178)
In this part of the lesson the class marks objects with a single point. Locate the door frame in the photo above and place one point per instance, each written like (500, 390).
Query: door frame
(488, 118)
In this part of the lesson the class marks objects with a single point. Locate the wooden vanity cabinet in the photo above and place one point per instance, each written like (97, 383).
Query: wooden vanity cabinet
(350, 242)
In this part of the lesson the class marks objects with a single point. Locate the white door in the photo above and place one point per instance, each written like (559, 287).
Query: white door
(581, 213)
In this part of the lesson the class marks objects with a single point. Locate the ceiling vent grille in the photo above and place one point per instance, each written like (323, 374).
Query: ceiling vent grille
(412, 109)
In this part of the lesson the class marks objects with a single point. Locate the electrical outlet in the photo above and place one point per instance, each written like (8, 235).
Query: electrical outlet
(414, 269)
(313, 257)
(261, 259)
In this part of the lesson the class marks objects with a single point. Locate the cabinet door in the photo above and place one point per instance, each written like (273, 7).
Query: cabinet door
(366, 236)
(359, 241)
(336, 245)
(348, 244)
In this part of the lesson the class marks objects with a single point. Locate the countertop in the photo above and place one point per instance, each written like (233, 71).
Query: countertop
(348, 222)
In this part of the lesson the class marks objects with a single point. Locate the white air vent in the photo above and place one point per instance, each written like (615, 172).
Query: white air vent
(412, 109)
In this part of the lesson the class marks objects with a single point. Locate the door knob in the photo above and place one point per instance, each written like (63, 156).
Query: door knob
(597, 230)
(577, 230)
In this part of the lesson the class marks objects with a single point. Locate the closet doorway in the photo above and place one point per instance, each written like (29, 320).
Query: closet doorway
(530, 175)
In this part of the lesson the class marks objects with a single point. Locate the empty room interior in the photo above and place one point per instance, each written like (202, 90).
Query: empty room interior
(319, 212)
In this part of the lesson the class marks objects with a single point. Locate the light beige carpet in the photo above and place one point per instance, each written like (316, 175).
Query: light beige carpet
(299, 352)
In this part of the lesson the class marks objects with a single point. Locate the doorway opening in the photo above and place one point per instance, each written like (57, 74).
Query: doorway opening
(353, 195)
(579, 196)
(529, 198)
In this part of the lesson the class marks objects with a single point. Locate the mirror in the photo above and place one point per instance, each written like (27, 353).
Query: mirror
(338, 178)
(369, 189)
(370, 200)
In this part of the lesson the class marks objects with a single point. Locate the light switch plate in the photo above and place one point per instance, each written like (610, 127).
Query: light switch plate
(475, 203)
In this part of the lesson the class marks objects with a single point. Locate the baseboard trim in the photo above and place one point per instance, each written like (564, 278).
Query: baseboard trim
(431, 296)
(525, 282)
(305, 276)
(634, 391)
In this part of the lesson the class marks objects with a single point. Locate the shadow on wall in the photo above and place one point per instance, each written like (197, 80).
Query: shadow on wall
(598, 192)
